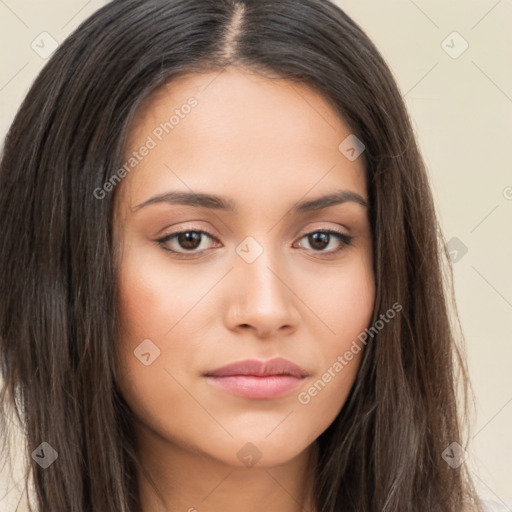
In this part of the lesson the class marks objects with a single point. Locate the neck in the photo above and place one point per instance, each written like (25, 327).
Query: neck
(191, 481)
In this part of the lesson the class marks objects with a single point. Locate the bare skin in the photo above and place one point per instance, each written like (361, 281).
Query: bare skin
(264, 145)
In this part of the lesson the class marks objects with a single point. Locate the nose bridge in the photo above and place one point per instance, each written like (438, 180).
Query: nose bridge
(264, 299)
(259, 266)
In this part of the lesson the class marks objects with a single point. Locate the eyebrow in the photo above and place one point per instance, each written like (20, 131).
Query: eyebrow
(216, 202)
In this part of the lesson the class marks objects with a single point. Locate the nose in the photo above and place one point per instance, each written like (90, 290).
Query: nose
(263, 299)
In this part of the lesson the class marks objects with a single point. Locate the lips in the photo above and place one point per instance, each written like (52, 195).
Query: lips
(258, 379)
(277, 366)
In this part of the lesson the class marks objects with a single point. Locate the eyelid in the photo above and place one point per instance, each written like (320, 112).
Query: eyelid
(185, 226)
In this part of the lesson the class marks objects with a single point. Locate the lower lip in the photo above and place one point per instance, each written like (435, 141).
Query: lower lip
(251, 386)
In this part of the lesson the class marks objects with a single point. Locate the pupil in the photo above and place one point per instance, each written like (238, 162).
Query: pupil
(322, 238)
(189, 239)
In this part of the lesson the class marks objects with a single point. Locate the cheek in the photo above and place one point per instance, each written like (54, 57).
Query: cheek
(344, 303)
(149, 304)
(158, 335)
(346, 306)
(147, 310)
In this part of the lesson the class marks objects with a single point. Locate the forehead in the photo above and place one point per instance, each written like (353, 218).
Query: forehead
(240, 133)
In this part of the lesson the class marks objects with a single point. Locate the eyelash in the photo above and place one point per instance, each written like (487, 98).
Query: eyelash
(346, 240)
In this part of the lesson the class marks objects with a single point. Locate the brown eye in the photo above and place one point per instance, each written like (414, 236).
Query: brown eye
(183, 243)
(319, 240)
(189, 239)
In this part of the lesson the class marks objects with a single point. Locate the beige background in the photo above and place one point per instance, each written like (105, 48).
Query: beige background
(462, 112)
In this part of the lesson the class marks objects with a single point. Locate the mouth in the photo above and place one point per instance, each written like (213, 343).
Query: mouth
(258, 379)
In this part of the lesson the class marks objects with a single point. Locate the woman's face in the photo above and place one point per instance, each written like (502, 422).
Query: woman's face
(252, 278)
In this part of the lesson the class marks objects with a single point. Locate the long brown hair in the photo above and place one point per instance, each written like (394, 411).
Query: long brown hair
(58, 319)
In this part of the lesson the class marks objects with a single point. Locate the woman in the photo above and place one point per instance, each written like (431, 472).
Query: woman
(223, 272)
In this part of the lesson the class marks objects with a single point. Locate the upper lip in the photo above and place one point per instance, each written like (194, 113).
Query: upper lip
(277, 366)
